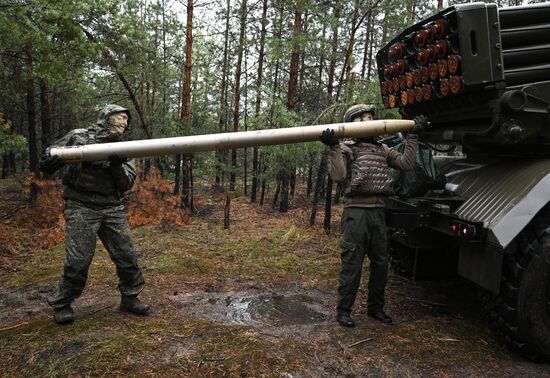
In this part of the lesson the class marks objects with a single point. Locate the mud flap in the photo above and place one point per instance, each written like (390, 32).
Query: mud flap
(481, 263)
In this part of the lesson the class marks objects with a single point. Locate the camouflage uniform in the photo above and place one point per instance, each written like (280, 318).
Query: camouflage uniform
(93, 207)
(362, 166)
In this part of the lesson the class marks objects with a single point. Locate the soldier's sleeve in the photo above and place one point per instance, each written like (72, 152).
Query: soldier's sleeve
(338, 158)
(67, 140)
(124, 175)
(403, 161)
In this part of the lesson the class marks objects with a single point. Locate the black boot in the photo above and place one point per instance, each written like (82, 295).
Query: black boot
(63, 315)
(133, 305)
(345, 319)
(380, 315)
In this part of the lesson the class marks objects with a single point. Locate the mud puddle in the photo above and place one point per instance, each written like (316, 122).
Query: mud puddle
(258, 309)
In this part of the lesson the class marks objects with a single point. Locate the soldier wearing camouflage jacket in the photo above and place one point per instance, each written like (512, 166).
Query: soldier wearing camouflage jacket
(93, 207)
(362, 166)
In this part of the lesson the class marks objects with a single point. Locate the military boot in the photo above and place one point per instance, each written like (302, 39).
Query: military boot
(63, 315)
(133, 305)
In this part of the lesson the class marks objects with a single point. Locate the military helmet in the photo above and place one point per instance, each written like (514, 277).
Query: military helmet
(109, 110)
(357, 110)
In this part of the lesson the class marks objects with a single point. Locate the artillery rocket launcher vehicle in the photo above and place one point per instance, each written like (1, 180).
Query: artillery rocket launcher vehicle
(481, 74)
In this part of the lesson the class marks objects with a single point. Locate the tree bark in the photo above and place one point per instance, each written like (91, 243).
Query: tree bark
(237, 95)
(328, 206)
(255, 165)
(321, 172)
(222, 119)
(186, 105)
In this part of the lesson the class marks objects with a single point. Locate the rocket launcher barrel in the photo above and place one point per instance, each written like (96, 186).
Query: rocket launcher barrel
(223, 141)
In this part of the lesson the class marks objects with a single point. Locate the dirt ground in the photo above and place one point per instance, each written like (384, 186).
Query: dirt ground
(255, 300)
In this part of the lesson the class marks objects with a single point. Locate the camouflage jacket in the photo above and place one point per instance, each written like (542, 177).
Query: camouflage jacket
(94, 183)
(363, 170)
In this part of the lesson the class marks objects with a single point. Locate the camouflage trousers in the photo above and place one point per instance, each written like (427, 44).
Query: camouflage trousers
(82, 224)
(363, 233)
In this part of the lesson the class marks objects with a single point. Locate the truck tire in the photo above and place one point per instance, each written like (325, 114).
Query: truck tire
(521, 312)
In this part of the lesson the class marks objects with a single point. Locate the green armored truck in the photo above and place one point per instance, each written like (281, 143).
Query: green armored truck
(481, 74)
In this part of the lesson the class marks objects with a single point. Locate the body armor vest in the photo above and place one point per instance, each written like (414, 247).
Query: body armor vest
(369, 173)
(91, 176)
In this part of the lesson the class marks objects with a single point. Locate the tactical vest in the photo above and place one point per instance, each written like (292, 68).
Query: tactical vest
(368, 172)
(93, 177)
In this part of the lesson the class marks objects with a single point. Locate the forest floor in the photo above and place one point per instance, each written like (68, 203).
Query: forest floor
(255, 300)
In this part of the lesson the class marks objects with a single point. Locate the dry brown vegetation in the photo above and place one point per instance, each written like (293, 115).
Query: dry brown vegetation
(255, 300)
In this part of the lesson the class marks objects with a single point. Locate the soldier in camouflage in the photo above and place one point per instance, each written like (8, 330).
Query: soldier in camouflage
(362, 166)
(92, 194)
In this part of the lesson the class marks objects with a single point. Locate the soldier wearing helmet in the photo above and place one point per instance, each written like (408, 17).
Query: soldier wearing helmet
(362, 166)
(93, 207)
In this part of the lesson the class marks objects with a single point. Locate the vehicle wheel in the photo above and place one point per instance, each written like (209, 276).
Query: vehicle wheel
(521, 312)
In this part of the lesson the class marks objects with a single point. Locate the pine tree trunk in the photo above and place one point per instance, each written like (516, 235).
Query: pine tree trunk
(283, 206)
(255, 157)
(328, 206)
(177, 178)
(321, 172)
(237, 96)
(222, 119)
(186, 105)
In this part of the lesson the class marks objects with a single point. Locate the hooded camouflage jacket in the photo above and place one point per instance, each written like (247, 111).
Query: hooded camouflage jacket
(95, 183)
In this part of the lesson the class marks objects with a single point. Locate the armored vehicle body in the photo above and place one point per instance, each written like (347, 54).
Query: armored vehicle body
(481, 74)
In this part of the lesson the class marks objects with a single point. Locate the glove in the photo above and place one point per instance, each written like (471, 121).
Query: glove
(116, 160)
(49, 164)
(328, 138)
(420, 123)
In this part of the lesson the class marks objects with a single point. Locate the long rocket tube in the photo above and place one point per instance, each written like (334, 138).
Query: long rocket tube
(223, 141)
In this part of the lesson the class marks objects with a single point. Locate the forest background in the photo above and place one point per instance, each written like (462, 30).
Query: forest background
(196, 67)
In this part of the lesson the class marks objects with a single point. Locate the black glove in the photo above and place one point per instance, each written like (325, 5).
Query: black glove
(328, 138)
(49, 164)
(420, 123)
(117, 160)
